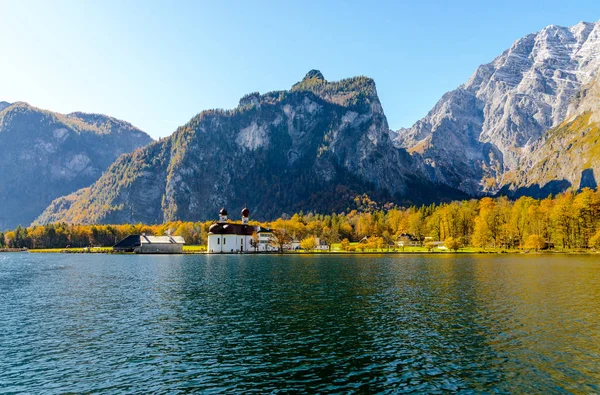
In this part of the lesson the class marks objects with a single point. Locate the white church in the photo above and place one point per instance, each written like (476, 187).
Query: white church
(225, 237)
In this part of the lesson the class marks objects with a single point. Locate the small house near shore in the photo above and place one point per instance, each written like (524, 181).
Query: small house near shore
(408, 240)
(321, 244)
(142, 244)
(292, 245)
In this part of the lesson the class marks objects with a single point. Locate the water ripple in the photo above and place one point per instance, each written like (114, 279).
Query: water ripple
(261, 324)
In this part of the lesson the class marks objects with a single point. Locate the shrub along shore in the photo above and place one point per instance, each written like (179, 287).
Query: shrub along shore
(569, 222)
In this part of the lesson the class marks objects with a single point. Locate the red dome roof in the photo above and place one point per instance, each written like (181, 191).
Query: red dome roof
(245, 212)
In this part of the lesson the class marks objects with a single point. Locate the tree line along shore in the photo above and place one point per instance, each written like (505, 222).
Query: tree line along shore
(566, 222)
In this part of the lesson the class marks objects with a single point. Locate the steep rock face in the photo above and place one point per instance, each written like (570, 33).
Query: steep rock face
(44, 155)
(313, 147)
(567, 156)
(482, 130)
(587, 100)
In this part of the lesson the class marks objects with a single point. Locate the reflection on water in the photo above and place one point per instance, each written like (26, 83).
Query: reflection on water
(84, 323)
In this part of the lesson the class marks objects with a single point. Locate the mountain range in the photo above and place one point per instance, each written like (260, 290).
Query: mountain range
(524, 124)
(45, 155)
(313, 147)
(479, 137)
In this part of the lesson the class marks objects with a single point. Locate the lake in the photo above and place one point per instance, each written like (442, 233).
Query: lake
(299, 323)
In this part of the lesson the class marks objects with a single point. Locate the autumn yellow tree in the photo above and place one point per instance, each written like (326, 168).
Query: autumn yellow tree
(416, 224)
(185, 230)
(594, 241)
(10, 238)
(281, 234)
(308, 243)
(482, 236)
(344, 244)
(452, 244)
(534, 242)
(330, 236)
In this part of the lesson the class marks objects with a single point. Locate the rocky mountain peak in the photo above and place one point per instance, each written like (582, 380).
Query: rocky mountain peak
(3, 105)
(582, 30)
(314, 74)
(20, 105)
(505, 107)
(313, 80)
(251, 99)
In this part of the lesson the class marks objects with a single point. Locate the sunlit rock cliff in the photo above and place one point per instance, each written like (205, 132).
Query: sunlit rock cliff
(478, 135)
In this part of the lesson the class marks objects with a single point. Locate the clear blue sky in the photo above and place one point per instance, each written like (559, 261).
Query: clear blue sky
(157, 64)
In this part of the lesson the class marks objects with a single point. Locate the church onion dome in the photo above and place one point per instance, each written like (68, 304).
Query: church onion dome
(215, 229)
(223, 211)
(245, 212)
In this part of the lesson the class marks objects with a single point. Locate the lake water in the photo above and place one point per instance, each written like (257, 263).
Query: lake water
(472, 323)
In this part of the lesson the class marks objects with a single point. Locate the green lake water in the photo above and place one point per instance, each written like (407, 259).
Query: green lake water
(87, 323)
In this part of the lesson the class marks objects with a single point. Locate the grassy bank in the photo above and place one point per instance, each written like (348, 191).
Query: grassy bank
(358, 248)
(190, 249)
(92, 250)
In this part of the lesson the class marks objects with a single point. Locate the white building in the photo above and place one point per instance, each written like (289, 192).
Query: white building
(408, 240)
(292, 245)
(225, 237)
(321, 245)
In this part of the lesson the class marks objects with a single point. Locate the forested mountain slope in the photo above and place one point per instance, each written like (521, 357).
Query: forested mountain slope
(314, 147)
(45, 155)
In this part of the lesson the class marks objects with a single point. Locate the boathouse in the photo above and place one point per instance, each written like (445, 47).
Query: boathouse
(142, 244)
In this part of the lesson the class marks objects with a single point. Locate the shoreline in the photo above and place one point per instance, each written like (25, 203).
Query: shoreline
(109, 251)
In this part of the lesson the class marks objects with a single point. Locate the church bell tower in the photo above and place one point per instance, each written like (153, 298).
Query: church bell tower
(223, 215)
(245, 215)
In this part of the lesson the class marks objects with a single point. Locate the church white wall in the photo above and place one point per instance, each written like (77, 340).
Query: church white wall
(215, 243)
(238, 243)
